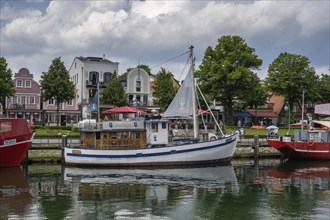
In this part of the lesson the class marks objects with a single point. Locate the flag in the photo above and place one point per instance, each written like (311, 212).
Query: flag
(93, 105)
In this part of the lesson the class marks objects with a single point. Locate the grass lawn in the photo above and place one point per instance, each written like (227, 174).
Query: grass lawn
(264, 132)
(46, 132)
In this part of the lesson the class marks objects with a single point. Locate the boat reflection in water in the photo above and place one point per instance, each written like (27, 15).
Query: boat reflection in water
(306, 174)
(15, 197)
(134, 193)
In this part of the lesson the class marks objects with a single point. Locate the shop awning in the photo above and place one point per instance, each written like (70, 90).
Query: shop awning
(241, 114)
(322, 109)
(262, 113)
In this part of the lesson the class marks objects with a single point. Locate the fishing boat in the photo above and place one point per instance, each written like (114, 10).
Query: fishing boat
(307, 144)
(149, 142)
(15, 139)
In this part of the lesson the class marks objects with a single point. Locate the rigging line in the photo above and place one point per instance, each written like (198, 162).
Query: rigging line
(183, 70)
(208, 107)
(170, 59)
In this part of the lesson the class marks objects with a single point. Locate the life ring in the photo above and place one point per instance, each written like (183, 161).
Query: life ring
(113, 140)
(310, 142)
(213, 138)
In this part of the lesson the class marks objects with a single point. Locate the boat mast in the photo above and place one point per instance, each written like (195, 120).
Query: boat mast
(192, 61)
(302, 112)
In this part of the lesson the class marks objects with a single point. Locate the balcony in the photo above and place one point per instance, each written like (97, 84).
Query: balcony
(18, 106)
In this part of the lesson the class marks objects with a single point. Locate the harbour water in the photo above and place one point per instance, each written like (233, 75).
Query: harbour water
(245, 189)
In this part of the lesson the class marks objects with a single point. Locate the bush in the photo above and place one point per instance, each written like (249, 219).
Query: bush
(74, 129)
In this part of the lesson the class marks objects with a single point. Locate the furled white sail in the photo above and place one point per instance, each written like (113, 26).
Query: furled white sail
(182, 104)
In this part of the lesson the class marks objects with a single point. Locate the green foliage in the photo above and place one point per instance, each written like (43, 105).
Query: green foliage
(114, 93)
(6, 84)
(164, 90)
(142, 66)
(258, 95)
(56, 84)
(226, 73)
(324, 88)
(289, 75)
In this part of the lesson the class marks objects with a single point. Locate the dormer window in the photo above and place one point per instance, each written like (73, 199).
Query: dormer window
(28, 83)
(19, 83)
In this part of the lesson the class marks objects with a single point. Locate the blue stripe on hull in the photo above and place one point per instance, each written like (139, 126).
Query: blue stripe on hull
(150, 154)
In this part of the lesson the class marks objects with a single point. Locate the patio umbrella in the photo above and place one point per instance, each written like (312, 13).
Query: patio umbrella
(272, 127)
(258, 127)
(123, 109)
(205, 112)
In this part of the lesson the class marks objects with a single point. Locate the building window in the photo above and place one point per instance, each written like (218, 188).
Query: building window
(51, 101)
(28, 83)
(19, 83)
(138, 86)
(23, 99)
(31, 99)
(15, 100)
(69, 103)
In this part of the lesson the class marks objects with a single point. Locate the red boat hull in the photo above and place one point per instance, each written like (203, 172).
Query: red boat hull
(302, 150)
(15, 139)
(14, 155)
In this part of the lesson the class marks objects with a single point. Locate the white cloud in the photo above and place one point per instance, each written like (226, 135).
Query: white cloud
(154, 31)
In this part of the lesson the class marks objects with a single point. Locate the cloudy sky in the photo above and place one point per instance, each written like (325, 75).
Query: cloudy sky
(34, 32)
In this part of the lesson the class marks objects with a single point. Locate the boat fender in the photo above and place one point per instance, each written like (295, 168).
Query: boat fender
(213, 138)
(113, 140)
(310, 142)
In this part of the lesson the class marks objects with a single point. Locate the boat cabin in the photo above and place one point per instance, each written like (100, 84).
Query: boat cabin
(126, 134)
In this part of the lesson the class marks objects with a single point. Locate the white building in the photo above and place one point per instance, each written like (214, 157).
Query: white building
(138, 88)
(86, 73)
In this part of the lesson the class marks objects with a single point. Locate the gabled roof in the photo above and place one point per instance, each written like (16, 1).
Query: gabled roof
(278, 102)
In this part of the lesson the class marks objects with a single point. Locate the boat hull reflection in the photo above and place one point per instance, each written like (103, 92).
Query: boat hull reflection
(205, 176)
(15, 197)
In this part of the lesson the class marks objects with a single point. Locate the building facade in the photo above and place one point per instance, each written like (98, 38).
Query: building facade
(88, 75)
(26, 102)
(138, 88)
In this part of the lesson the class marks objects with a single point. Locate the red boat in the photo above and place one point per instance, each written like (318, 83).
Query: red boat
(15, 139)
(307, 144)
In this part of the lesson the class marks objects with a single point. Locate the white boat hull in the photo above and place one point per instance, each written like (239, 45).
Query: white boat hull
(216, 151)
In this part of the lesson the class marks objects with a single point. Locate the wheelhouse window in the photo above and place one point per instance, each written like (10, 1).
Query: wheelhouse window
(154, 127)
(164, 125)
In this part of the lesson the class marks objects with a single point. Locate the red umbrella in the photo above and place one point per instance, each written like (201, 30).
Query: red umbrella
(123, 109)
(258, 127)
(205, 112)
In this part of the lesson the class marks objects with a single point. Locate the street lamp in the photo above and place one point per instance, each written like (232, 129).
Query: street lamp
(287, 108)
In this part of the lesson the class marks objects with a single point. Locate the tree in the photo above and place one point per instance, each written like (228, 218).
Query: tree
(6, 84)
(324, 88)
(226, 73)
(142, 66)
(56, 84)
(114, 92)
(289, 75)
(164, 90)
